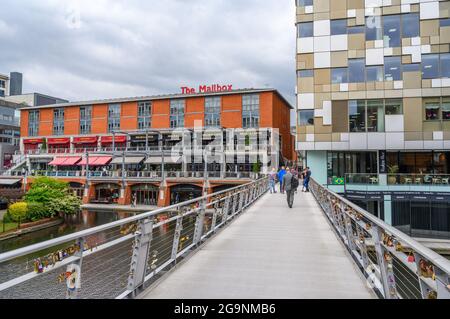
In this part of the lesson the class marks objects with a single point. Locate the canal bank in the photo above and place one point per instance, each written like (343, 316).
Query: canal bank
(32, 227)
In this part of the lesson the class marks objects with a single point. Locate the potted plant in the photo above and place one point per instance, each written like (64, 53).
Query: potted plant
(392, 179)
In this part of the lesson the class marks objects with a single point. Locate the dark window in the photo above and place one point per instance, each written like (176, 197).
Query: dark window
(394, 107)
(374, 73)
(177, 108)
(58, 121)
(144, 115)
(414, 67)
(430, 66)
(410, 25)
(85, 119)
(357, 116)
(113, 117)
(356, 70)
(305, 73)
(339, 75)
(445, 65)
(355, 30)
(444, 22)
(391, 31)
(392, 68)
(212, 111)
(338, 27)
(305, 30)
(306, 117)
(432, 109)
(33, 123)
(373, 28)
(250, 111)
(304, 3)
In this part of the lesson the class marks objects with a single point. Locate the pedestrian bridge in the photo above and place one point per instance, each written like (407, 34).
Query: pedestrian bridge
(238, 243)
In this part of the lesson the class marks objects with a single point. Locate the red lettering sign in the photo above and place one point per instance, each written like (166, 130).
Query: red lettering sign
(215, 88)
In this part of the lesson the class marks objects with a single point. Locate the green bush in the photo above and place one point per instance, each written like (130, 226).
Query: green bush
(37, 211)
(17, 211)
(46, 189)
(68, 205)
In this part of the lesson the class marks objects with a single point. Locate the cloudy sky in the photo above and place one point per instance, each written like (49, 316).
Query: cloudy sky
(84, 49)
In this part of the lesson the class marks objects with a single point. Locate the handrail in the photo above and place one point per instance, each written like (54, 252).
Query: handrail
(347, 216)
(53, 242)
(138, 241)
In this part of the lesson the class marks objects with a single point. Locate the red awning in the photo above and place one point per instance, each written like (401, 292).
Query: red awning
(65, 161)
(33, 141)
(96, 160)
(109, 139)
(58, 141)
(85, 140)
(58, 161)
(71, 161)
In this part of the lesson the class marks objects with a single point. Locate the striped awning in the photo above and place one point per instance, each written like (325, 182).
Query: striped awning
(96, 160)
(128, 160)
(167, 160)
(65, 161)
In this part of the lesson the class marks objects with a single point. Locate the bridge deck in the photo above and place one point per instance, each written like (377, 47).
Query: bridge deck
(270, 251)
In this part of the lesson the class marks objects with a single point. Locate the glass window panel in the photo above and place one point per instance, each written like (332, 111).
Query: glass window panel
(357, 116)
(355, 30)
(375, 116)
(306, 117)
(410, 25)
(374, 73)
(373, 28)
(305, 30)
(338, 26)
(304, 3)
(424, 163)
(439, 163)
(391, 28)
(392, 68)
(394, 107)
(446, 108)
(444, 22)
(414, 67)
(339, 75)
(356, 70)
(432, 108)
(305, 73)
(430, 66)
(445, 65)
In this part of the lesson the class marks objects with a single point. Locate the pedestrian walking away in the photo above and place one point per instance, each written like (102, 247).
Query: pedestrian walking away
(290, 183)
(281, 174)
(272, 180)
(307, 178)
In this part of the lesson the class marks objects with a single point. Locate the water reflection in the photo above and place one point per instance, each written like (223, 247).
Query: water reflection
(84, 220)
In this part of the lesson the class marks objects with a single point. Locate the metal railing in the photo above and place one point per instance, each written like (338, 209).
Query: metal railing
(120, 259)
(394, 264)
(399, 179)
(134, 174)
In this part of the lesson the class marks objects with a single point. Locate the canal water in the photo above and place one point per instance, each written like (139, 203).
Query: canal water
(84, 220)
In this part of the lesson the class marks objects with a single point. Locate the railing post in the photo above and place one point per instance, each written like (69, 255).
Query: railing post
(176, 237)
(75, 268)
(387, 274)
(139, 259)
(198, 231)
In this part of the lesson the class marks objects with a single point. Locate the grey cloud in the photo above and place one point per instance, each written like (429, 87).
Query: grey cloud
(124, 48)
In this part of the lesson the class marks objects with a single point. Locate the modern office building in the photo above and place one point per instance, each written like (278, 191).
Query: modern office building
(4, 85)
(9, 133)
(373, 89)
(109, 149)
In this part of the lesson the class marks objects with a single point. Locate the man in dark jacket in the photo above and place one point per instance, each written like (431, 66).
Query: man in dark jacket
(290, 191)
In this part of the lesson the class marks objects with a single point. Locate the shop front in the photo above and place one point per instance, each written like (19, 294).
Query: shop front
(107, 193)
(146, 194)
(120, 142)
(85, 143)
(140, 142)
(184, 192)
(32, 144)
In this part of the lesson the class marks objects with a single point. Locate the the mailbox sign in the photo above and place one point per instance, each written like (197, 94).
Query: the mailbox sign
(207, 89)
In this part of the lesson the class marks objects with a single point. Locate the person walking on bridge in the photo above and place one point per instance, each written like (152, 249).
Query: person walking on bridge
(272, 180)
(281, 174)
(290, 183)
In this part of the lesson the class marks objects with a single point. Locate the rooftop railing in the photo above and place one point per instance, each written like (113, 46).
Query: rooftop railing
(120, 259)
(395, 265)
